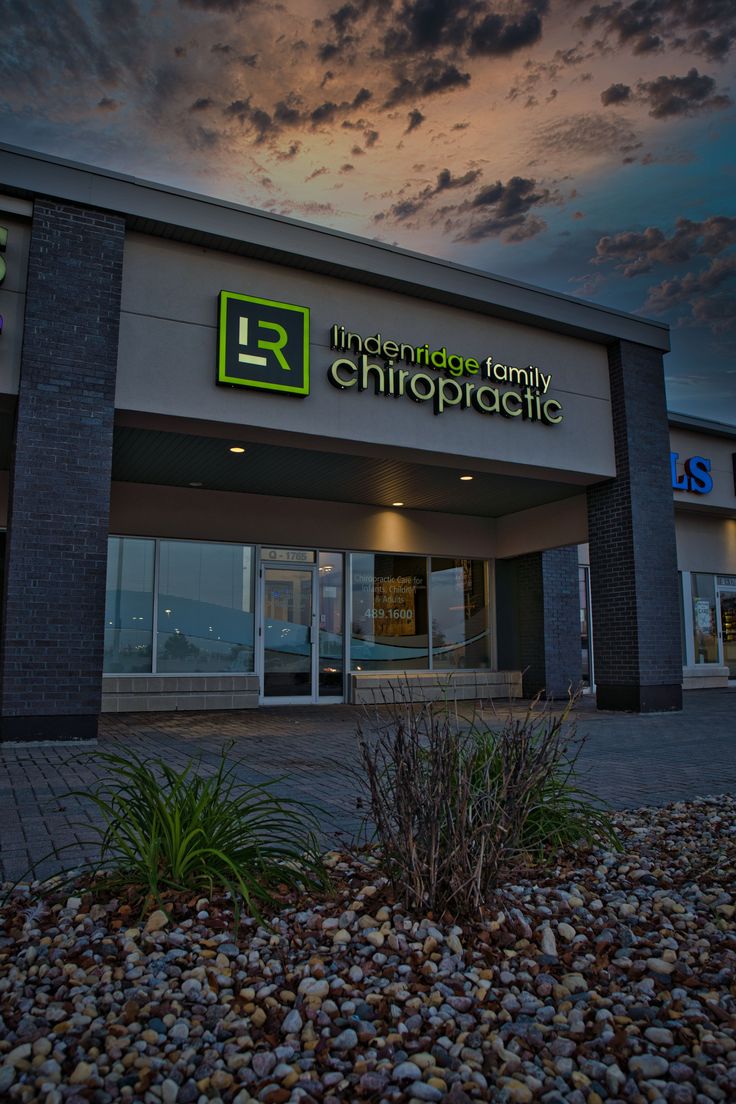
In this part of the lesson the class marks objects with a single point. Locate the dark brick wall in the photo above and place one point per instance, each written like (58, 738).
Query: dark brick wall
(539, 621)
(54, 593)
(633, 558)
(563, 656)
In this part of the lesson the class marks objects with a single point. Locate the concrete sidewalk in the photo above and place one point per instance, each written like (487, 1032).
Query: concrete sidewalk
(627, 760)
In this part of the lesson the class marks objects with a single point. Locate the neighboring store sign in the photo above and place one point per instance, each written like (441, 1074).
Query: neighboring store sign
(726, 580)
(450, 380)
(3, 266)
(263, 344)
(695, 477)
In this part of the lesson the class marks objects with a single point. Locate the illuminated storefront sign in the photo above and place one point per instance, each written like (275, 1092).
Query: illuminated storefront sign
(695, 477)
(263, 344)
(518, 392)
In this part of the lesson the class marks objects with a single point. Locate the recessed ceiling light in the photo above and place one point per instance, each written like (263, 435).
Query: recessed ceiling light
(236, 448)
(195, 484)
(397, 503)
(465, 478)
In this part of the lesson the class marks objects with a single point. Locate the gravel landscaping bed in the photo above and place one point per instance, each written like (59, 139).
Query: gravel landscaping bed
(609, 977)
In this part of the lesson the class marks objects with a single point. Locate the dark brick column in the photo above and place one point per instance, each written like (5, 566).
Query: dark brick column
(633, 558)
(537, 602)
(56, 552)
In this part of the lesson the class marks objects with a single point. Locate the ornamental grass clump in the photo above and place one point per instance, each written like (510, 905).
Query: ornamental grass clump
(166, 831)
(456, 802)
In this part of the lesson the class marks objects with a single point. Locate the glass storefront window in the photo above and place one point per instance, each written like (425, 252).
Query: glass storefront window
(389, 613)
(460, 615)
(727, 600)
(331, 638)
(205, 608)
(129, 606)
(704, 618)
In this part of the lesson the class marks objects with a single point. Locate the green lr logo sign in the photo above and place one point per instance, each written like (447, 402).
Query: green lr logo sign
(263, 343)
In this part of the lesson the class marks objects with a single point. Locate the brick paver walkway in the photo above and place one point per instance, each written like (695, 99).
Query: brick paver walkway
(627, 760)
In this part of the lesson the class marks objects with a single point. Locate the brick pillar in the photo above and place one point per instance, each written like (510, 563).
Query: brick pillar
(633, 558)
(54, 593)
(537, 600)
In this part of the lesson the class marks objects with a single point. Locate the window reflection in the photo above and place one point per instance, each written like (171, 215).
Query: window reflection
(205, 608)
(704, 618)
(129, 606)
(460, 622)
(330, 583)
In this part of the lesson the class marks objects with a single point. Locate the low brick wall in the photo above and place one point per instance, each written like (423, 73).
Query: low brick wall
(378, 687)
(704, 676)
(159, 693)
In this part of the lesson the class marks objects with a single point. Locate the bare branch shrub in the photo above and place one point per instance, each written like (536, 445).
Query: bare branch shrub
(451, 796)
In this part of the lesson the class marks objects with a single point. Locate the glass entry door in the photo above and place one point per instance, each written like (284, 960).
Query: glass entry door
(289, 647)
(727, 612)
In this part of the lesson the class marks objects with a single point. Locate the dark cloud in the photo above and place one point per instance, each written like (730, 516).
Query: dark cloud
(426, 25)
(635, 253)
(428, 79)
(324, 113)
(361, 97)
(107, 104)
(221, 48)
(262, 123)
(706, 27)
(327, 51)
(446, 180)
(415, 120)
(347, 168)
(290, 153)
(344, 18)
(286, 113)
(615, 94)
(227, 7)
(499, 35)
(668, 96)
(511, 202)
(371, 137)
(343, 25)
(506, 211)
(405, 208)
(202, 104)
(238, 109)
(258, 119)
(462, 27)
(695, 290)
(590, 133)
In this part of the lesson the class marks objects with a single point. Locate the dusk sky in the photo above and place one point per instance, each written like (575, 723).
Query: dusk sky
(585, 147)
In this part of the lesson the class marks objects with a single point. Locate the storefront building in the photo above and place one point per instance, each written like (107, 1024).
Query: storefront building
(703, 457)
(247, 460)
(703, 471)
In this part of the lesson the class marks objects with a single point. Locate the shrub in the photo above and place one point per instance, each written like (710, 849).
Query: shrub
(166, 831)
(454, 801)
